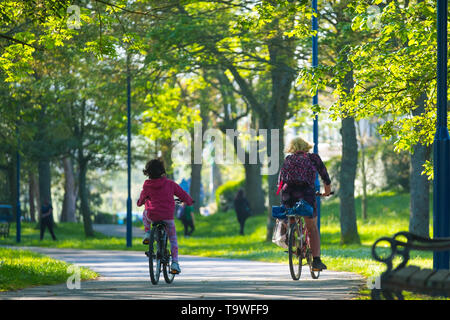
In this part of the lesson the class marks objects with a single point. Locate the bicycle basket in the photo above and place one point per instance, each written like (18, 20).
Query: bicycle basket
(279, 212)
(303, 208)
(279, 235)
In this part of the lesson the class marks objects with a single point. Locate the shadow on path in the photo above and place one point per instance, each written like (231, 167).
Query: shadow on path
(124, 275)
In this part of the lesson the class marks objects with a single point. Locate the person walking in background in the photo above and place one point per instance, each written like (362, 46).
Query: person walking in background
(188, 219)
(242, 208)
(47, 219)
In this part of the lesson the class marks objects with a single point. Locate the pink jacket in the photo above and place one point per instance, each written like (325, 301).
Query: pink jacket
(157, 195)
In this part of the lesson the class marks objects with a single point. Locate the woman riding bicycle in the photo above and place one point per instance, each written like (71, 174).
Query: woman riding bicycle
(297, 181)
(157, 195)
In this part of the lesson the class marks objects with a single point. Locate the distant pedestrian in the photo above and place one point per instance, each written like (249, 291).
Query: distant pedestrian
(188, 219)
(47, 219)
(242, 209)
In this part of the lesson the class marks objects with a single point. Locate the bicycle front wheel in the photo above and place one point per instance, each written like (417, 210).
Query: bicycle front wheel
(154, 255)
(295, 254)
(168, 275)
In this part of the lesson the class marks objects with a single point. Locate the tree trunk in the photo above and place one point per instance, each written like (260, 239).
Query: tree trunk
(84, 198)
(166, 154)
(68, 213)
(33, 196)
(253, 181)
(419, 185)
(45, 193)
(196, 168)
(274, 199)
(253, 188)
(217, 177)
(349, 164)
(362, 142)
(194, 188)
(281, 54)
(12, 181)
(349, 229)
(364, 183)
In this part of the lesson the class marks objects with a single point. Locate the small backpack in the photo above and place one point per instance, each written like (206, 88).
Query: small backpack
(297, 169)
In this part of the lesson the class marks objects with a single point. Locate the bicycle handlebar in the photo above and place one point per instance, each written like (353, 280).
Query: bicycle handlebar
(318, 194)
(179, 201)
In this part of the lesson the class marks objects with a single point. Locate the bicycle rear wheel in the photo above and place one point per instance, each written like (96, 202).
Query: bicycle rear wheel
(154, 255)
(168, 275)
(295, 255)
(309, 257)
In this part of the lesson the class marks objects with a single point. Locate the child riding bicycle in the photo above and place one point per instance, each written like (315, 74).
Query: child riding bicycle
(157, 195)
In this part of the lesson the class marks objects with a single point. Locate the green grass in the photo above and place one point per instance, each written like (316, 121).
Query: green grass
(218, 236)
(22, 268)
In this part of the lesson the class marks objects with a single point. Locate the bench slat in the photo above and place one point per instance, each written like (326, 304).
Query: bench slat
(446, 284)
(437, 280)
(404, 274)
(420, 278)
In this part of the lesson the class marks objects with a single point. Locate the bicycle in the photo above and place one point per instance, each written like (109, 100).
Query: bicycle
(160, 257)
(299, 246)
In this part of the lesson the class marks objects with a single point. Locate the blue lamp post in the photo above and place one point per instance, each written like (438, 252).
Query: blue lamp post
(441, 186)
(315, 62)
(18, 210)
(129, 214)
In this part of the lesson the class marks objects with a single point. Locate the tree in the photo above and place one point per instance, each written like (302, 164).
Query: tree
(395, 79)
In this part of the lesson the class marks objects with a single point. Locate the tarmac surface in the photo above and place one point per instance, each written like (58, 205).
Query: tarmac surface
(125, 275)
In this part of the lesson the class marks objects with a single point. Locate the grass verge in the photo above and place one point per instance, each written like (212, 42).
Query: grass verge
(23, 268)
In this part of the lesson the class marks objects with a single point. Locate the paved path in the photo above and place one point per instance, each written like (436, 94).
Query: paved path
(124, 275)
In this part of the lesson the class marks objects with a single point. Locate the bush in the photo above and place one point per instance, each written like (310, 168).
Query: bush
(226, 192)
(396, 167)
(105, 218)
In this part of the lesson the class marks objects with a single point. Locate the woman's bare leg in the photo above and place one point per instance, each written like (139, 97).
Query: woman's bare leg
(311, 226)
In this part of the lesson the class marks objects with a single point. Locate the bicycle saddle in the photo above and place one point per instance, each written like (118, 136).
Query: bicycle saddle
(159, 223)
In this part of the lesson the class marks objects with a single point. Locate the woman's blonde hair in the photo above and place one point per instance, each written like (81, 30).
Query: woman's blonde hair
(298, 144)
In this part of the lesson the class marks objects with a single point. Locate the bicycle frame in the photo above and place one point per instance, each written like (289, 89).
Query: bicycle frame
(301, 228)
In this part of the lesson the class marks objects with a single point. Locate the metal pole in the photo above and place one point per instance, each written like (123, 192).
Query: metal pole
(18, 210)
(441, 184)
(315, 62)
(129, 214)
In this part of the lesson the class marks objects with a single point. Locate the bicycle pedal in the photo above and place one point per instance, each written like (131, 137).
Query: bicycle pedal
(316, 269)
(174, 272)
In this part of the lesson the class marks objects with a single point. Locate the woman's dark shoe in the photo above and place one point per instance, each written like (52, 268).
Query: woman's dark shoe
(318, 265)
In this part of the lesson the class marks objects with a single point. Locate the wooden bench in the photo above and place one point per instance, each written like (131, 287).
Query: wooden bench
(410, 278)
(4, 229)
